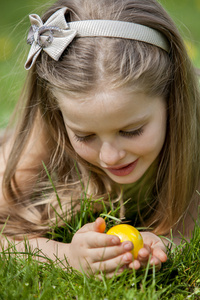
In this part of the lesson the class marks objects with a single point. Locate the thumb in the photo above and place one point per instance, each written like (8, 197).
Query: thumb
(99, 226)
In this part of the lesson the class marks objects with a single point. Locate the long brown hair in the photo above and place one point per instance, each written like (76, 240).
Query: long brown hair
(85, 65)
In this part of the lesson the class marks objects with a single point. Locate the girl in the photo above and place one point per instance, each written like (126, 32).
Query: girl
(116, 97)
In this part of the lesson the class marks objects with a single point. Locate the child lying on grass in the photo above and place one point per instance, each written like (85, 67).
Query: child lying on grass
(112, 108)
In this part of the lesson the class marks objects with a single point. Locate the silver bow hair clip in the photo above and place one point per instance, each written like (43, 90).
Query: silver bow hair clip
(56, 34)
(53, 36)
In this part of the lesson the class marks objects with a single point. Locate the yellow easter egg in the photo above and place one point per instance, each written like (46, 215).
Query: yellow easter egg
(128, 233)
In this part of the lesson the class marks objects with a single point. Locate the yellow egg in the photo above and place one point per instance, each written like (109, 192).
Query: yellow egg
(128, 233)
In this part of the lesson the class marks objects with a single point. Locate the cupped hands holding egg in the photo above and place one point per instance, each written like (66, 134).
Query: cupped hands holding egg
(127, 232)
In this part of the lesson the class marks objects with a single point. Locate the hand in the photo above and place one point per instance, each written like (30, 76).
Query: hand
(92, 251)
(153, 249)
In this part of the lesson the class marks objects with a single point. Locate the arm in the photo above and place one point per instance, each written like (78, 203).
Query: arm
(90, 251)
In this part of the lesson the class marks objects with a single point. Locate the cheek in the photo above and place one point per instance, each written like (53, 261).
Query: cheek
(152, 141)
(157, 138)
(84, 151)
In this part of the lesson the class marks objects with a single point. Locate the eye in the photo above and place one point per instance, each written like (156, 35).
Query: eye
(84, 139)
(132, 133)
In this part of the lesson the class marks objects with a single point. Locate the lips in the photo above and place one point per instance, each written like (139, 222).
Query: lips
(124, 169)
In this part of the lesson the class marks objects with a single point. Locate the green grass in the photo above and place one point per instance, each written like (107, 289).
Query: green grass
(22, 276)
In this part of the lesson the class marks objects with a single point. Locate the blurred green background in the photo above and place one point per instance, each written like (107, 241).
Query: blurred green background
(14, 25)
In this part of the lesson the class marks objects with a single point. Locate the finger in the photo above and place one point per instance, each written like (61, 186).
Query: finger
(156, 258)
(146, 256)
(156, 262)
(107, 253)
(98, 226)
(135, 265)
(111, 265)
(142, 258)
(157, 251)
(144, 253)
(160, 254)
(101, 240)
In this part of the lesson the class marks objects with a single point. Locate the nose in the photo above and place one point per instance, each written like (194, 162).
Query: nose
(110, 155)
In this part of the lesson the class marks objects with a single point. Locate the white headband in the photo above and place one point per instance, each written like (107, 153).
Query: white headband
(56, 34)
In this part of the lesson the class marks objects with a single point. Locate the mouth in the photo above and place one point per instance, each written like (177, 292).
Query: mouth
(123, 170)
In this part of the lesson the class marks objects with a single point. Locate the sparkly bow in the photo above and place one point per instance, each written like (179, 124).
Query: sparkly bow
(53, 36)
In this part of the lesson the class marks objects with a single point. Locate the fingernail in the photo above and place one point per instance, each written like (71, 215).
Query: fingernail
(115, 241)
(128, 246)
(126, 258)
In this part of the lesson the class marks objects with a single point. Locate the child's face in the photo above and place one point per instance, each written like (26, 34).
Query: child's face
(119, 131)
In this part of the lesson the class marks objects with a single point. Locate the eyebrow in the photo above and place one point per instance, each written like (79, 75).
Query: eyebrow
(136, 123)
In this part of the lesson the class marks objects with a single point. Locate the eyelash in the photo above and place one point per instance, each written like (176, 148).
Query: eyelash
(83, 139)
(128, 134)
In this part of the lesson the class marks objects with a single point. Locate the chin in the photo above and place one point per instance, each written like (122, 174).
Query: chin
(123, 180)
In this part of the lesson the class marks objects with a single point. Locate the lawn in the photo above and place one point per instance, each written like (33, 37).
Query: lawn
(26, 278)
(23, 277)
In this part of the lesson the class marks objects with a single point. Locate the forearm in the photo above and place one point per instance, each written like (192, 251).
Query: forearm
(51, 249)
(41, 248)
